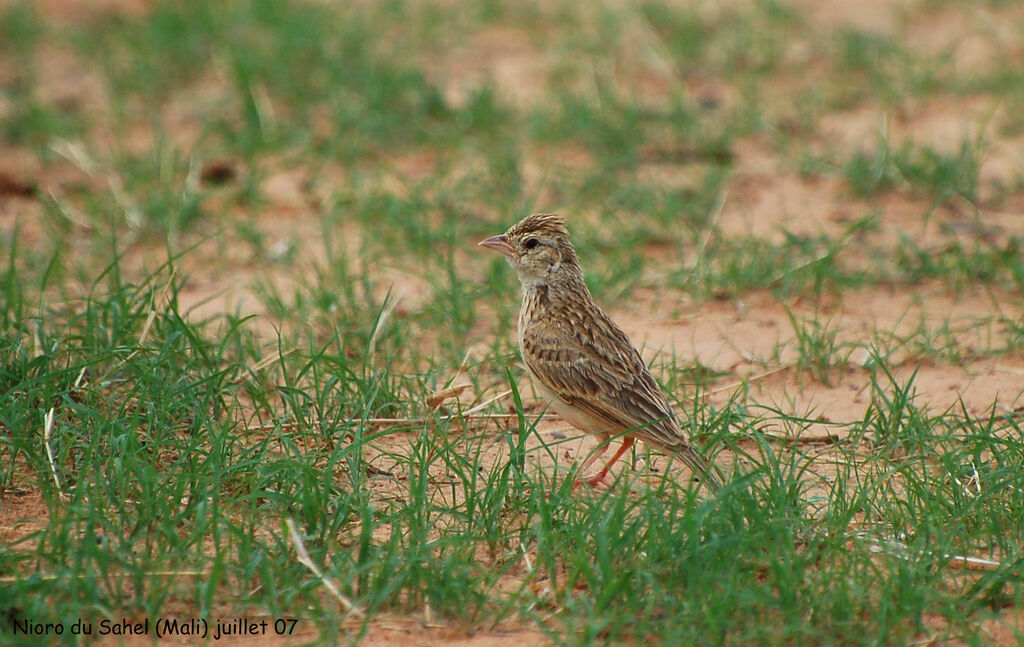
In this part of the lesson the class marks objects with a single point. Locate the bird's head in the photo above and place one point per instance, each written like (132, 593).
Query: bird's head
(538, 249)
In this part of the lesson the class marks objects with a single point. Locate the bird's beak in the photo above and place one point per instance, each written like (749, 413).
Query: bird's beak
(499, 244)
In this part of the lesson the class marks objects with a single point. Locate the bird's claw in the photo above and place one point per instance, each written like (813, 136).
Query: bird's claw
(593, 480)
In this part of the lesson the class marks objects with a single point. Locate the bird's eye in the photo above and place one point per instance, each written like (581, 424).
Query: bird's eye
(531, 243)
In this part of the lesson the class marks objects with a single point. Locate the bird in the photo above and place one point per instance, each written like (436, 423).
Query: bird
(580, 360)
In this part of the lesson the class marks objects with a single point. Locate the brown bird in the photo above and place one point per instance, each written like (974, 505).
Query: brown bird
(580, 360)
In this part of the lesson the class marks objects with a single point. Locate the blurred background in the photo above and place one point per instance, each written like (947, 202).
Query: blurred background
(729, 138)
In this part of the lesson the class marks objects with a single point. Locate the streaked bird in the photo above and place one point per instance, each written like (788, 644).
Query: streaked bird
(579, 359)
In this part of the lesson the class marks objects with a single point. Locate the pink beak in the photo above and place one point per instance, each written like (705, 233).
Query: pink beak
(499, 244)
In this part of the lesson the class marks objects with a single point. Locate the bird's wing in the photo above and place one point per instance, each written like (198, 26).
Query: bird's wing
(596, 368)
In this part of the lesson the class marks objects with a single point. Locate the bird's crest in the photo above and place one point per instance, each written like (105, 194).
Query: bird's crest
(540, 223)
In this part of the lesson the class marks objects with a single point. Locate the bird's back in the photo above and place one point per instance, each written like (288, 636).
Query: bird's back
(578, 354)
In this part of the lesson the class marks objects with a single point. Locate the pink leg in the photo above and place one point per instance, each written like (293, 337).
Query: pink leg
(596, 455)
(592, 481)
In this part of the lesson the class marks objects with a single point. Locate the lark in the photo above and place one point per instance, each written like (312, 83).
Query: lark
(579, 359)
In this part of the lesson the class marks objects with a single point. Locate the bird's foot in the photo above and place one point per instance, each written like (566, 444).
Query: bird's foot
(600, 478)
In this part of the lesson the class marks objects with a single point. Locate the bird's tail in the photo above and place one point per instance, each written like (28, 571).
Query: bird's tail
(707, 472)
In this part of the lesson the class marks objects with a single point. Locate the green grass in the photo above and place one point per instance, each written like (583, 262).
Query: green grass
(169, 448)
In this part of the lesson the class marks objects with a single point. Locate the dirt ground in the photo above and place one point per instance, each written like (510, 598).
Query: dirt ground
(751, 337)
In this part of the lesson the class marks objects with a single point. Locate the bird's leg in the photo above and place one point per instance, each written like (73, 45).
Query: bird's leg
(626, 444)
(592, 481)
(601, 449)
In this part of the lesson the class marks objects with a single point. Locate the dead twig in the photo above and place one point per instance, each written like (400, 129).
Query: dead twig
(898, 549)
(307, 561)
(745, 381)
(47, 430)
(48, 577)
